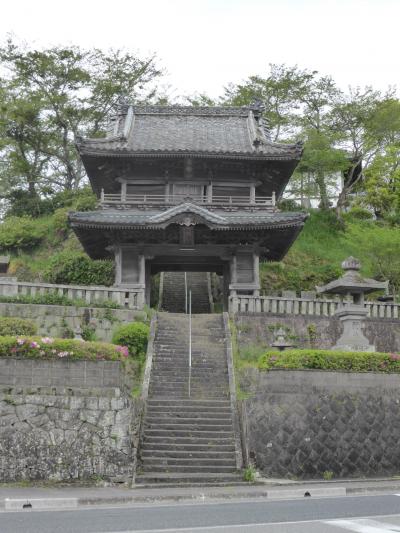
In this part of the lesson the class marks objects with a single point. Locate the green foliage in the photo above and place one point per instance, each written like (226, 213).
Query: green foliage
(358, 213)
(77, 268)
(331, 360)
(49, 97)
(317, 254)
(64, 349)
(20, 233)
(16, 326)
(56, 299)
(88, 333)
(327, 475)
(135, 336)
(249, 474)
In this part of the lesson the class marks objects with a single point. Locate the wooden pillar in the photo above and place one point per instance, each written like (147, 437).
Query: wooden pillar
(148, 283)
(209, 193)
(252, 193)
(142, 269)
(123, 191)
(233, 270)
(256, 273)
(118, 265)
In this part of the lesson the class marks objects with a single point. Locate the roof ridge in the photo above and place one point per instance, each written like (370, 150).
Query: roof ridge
(191, 110)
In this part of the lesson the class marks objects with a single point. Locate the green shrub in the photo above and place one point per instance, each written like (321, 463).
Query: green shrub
(359, 213)
(17, 326)
(249, 474)
(77, 268)
(67, 349)
(134, 336)
(331, 360)
(56, 299)
(20, 232)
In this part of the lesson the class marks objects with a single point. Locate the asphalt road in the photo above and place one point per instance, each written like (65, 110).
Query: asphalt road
(363, 514)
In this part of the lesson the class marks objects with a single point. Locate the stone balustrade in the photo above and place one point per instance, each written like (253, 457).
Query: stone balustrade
(128, 297)
(305, 306)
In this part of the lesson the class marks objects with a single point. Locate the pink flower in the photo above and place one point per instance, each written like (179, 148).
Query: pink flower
(47, 340)
(63, 354)
(34, 344)
(273, 358)
(20, 342)
(395, 356)
(123, 350)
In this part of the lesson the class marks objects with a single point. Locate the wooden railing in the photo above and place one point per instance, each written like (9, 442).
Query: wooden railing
(131, 298)
(174, 199)
(302, 306)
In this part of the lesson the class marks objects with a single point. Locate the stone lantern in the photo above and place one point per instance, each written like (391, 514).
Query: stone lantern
(352, 287)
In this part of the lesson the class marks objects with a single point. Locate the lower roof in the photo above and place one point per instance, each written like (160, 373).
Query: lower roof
(186, 214)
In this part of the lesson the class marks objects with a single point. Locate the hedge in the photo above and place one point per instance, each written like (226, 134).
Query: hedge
(67, 349)
(134, 336)
(52, 298)
(17, 326)
(331, 360)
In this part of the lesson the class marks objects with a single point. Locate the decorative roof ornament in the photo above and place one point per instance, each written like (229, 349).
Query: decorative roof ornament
(258, 108)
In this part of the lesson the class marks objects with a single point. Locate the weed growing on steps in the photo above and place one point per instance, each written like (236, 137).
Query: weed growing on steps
(249, 474)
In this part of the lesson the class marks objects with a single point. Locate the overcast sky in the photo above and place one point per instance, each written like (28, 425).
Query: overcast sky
(205, 44)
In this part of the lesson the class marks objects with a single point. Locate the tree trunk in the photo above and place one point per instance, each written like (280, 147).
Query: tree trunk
(323, 193)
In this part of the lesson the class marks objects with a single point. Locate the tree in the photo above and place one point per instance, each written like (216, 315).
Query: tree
(281, 93)
(367, 122)
(50, 97)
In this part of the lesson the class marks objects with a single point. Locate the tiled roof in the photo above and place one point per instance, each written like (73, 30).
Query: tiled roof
(154, 219)
(158, 130)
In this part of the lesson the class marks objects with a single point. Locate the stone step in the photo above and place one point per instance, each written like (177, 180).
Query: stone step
(211, 469)
(182, 479)
(193, 454)
(188, 433)
(160, 421)
(190, 403)
(189, 412)
(196, 391)
(166, 442)
(198, 464)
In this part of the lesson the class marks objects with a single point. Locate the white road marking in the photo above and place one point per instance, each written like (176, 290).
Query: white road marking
(350, 525)
(363, 525)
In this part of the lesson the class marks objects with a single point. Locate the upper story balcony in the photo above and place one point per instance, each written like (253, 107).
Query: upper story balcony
(208, 200)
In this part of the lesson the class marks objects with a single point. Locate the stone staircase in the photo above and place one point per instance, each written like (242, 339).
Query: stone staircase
(188, 439)
(173, 295)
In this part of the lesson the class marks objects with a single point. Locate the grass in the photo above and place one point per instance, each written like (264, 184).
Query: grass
(316, 255)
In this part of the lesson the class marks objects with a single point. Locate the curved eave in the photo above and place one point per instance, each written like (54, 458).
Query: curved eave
(256, 156)
(148, 227)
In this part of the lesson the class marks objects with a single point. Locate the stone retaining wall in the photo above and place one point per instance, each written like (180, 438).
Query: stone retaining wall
(59, 321)
(63, 420)
(302, 424)
(313, 331)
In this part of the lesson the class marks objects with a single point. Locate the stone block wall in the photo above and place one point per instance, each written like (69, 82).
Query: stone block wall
(63, 420)
(302, 424)
(58, 320)
(313, 331)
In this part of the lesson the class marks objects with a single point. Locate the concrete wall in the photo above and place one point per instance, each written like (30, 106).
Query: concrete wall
(300, 424)
(56, 320)
(63, 420)
(313, 331)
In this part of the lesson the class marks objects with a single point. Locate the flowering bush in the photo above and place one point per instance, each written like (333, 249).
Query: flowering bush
(134, 336)
(331, 360)
(48, 348)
